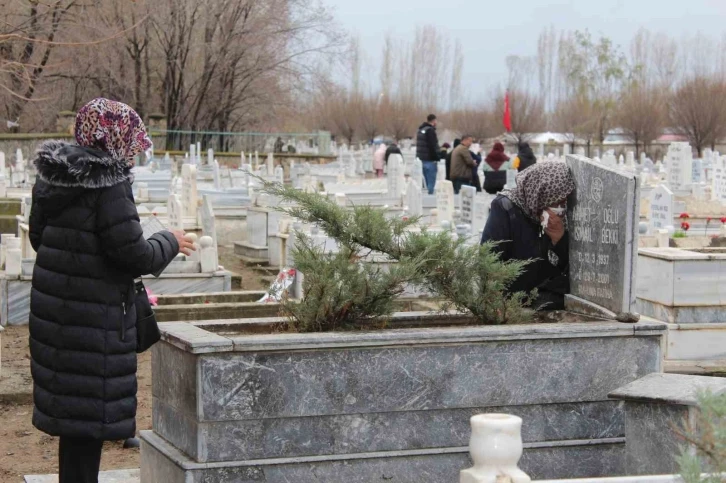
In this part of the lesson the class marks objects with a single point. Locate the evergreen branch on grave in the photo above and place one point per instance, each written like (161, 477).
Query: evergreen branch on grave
(707, 436)
(472, 278)
(339, 292)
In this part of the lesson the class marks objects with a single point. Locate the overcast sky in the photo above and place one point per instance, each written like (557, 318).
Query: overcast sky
(491, 30)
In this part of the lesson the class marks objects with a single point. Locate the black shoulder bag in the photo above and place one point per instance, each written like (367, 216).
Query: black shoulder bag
(147, 329)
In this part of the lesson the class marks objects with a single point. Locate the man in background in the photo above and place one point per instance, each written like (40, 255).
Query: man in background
(428, 151)
(462, 164)
(392, 149)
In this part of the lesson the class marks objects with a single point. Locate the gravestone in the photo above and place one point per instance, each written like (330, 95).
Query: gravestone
(445, 201)
(680, 166)
(193, 154)
(661, 208)
(414, 200)
(467, 194)
(697, 171)
(216, 175)
(511, 179)
(270, 165)
(175, 213)
(603, 215)
(417, 173)
(190, 196)
(3, 169)
(209, 227)
(630, 159)
(440, 171)
(279, 175)
(718, 179)
(242, 160)
(210, 156)
(396, 177)
(610, 160)
(482, 204)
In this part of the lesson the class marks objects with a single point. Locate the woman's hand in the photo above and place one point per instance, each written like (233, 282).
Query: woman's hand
(555, 228)
(185, 246)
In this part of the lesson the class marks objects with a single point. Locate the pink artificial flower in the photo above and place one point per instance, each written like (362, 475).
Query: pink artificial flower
(153, 299)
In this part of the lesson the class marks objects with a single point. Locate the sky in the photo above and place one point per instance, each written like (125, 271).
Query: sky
(491, 30)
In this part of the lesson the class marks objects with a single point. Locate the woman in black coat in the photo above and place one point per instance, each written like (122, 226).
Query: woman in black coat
(85, 229)
(530, 223)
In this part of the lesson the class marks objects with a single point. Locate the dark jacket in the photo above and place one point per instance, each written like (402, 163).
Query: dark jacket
(448, 159)
(526, 157)
(462, 164)
(85, 228)
(392, 149)
(427, 143)
(520, 240)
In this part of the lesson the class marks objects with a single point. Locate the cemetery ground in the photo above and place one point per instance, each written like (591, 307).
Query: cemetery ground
(25, 450)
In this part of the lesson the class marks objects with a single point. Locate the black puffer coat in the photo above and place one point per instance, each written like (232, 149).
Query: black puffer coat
(427, 143)
(85, 228)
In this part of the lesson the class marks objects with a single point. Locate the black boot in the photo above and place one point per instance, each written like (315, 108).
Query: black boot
(132, 443)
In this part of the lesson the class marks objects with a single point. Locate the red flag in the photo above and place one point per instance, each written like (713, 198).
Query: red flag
(507, 114)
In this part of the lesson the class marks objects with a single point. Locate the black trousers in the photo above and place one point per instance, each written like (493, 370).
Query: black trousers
(459, 182)
(79, 460)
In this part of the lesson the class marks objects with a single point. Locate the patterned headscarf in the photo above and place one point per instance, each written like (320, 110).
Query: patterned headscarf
(112, 127)
(540, 187)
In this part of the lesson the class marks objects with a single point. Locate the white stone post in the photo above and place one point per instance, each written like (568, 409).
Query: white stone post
(495, 447)
(663, 238)
(340, 200)
(14, 257)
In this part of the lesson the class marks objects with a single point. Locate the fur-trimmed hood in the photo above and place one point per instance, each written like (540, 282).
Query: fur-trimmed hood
(71, 166)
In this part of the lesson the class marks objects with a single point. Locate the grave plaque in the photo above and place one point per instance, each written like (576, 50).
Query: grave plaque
(680, 166)
(190, 195)
(445, 201)
(417, 173)
(467, 193)
(482, 205)
(603, 215)
(216, 175)
(208, 223)
(661, 208)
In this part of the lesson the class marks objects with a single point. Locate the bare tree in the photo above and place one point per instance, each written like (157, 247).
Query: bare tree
(697, 110)
(528, 114)
(641, 114)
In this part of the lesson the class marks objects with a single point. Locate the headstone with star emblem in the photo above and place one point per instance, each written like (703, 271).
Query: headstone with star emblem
(603, 235)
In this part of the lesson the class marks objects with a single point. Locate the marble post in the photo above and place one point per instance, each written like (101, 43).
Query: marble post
(13, 258)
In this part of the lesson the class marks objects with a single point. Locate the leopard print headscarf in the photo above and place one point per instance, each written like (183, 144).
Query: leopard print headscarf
(112, 127)
(540, 187)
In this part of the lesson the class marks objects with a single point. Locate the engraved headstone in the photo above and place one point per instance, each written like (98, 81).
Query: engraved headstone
(482, 205)
(193, 154)
(603, 215)
(270, 165)
(467, 194)
(679, 160)
(718, 179)
(661, 208)
(697, 171)
(445, 201)
(210, 156)
(3, 170)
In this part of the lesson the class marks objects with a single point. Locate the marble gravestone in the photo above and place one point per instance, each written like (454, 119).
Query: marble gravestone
(445, 201)
(603, 215)
(175, 213)
(396, 177)
(467, 193)
(190, 196)
(414, 200)
(661, 209)
(680, 166)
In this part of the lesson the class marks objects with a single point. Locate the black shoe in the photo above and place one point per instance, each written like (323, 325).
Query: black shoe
(132, 443)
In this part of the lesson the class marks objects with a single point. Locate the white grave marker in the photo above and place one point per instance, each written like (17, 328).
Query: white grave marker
(175, 213)
(445, 201)
(396, 177)
(661, 208)
(190, 196)
(680, 166)
(414, 200)
(467, 194)
(216, 175)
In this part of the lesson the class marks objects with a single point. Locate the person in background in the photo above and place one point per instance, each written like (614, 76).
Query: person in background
(90, 247)
(379, 159)
(462, 164)
(427, 150)
(279, 145)
(493, 184)
(476, 156)
(444, 151)
(392, 149)
(530, 223)
(457, 142)
(525, 158)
